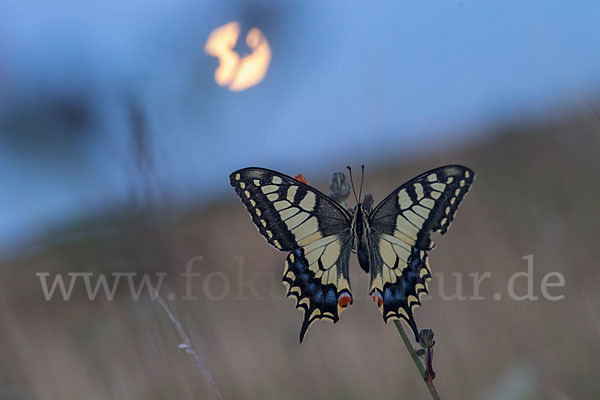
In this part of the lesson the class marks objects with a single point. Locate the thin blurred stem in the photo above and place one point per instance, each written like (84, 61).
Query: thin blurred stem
(417, 361)
(187, 345)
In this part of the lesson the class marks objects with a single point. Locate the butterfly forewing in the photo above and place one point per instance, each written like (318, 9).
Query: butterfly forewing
(287, 212)
(400, 235)
(423, 205)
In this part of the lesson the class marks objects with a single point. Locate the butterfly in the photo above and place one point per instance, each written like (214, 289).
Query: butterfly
(391, 240)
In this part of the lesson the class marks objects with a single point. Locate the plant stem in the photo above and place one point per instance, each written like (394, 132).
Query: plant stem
(187, 344)
(415, 357)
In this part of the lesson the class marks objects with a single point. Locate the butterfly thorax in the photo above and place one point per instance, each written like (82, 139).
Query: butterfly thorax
(360, 230)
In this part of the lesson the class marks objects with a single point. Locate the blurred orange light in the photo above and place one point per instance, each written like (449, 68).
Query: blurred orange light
(235, 72)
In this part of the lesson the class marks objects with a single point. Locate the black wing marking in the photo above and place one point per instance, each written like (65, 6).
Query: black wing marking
(287, 212)
(317, 276)
(400, 236)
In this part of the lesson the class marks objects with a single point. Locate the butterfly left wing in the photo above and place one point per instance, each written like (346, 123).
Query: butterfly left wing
(317, 276)
(401, 226)
(295, 217)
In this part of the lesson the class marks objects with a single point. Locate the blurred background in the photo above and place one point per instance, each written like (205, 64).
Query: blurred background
(121, 121)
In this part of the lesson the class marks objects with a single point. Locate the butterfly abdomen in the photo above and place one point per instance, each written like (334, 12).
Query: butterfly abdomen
(360, 230)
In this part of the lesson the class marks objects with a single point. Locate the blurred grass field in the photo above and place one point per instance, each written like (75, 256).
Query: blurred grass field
(536, 193)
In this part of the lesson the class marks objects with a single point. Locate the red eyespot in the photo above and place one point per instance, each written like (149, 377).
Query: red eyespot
(301, 178)
(376, 296)
(344, 300)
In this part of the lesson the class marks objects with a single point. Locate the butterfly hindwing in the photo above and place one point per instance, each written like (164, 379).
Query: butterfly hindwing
(400, 276)
(288, 213)
(317, 276)
(401, 226)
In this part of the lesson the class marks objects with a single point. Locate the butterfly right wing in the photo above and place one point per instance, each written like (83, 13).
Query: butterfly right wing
(401, 227)
(400, 276)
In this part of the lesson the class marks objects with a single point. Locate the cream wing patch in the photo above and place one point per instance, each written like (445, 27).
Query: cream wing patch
(309, 201)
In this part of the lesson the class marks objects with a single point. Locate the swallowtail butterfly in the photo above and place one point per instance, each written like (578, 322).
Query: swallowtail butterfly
(391, 241)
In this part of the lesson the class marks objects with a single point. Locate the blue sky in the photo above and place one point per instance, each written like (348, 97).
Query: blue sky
(346, 83)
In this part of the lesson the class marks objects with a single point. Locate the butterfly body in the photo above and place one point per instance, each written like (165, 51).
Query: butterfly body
(390, 241)
(361, 230)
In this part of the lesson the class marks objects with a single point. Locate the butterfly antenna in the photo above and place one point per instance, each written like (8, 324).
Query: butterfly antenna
(352, 182)
(362, 178)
